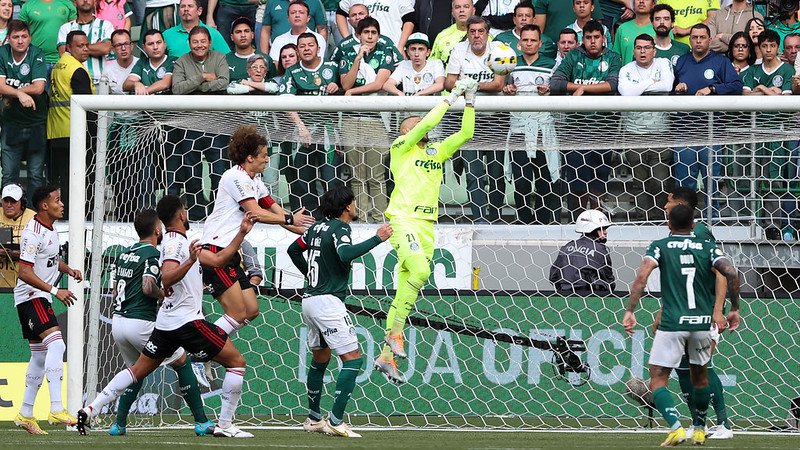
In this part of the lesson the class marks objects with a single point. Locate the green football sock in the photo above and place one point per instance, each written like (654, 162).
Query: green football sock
(718, 398)
(190, 391)
(663, 400)
(344, 388)
(125, 402)
(701, 400)
(314, 388)
(687, 390)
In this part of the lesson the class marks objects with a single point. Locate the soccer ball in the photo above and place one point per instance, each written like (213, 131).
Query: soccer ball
(502, 59)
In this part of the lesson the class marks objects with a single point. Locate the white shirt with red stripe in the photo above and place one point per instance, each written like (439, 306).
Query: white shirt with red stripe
(39, 247)
(183, 301)
(235, 187)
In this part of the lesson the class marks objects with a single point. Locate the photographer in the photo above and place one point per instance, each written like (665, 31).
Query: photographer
(15, 216)
(782, 17)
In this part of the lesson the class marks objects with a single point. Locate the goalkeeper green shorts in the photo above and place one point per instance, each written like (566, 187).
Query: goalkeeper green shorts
(411, 237)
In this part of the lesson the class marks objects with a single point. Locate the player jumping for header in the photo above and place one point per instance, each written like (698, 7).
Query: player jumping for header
(416, 166)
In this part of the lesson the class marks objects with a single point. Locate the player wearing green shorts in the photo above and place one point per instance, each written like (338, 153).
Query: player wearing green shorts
(687, 196)
(416, 166)
(324, 254)
(137, 294)
(689, 303)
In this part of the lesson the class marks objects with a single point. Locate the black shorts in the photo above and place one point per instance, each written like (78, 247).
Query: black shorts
(200, 338)
(218, 280)
(36, 316)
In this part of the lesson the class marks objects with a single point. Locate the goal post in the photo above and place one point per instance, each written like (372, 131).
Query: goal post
(477, 358)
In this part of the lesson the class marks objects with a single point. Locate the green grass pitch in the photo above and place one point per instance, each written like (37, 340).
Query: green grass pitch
(284, 438)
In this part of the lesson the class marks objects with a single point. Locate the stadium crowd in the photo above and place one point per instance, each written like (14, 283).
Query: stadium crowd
(56, 48)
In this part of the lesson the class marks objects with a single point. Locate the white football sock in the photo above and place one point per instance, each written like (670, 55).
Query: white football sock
(54, 368)
(113, 389)
(228, 324)
(231, 393)
(33, 378)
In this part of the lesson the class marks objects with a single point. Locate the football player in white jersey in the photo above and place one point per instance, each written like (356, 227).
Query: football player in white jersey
(180, 321)
(39, 268)
(417, 75)
(241, 190)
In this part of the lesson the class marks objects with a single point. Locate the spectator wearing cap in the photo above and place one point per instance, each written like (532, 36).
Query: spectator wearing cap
(299, 17)
(417, 75)
(242, 37)
(356, 14)
(23, 73)
(15, 216)
(256, 81)
(228, 12)
(275, 21)
(177, 37)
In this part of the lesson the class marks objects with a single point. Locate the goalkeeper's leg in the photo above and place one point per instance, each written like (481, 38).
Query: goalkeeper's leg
(415, 271)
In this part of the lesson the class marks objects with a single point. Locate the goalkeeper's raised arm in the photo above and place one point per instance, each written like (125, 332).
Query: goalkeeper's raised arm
(416, 166)
(416, 163)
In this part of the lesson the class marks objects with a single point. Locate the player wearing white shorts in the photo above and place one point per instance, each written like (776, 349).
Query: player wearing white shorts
(39, 267)
(687, 196)
(241, 190)
(330, 252)
(180, 321)
(690, 303)
(137, 291)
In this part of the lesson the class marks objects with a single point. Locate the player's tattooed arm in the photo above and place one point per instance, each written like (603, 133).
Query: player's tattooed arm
(726, 268)
(637, 290)
(151, 289)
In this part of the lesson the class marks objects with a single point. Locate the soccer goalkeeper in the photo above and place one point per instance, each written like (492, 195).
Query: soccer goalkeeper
(416, 166)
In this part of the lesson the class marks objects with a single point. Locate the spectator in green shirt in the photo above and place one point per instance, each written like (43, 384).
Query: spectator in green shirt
(25, 116)
(630, 30)
(45, 17)
(177, 37)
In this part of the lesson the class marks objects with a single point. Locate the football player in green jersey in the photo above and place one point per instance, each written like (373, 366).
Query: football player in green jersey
(327, 267)
(416, 165)
(137, 295)
(690, 306)
(687, 196)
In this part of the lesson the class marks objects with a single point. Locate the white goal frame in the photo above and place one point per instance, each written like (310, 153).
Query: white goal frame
(79, 228)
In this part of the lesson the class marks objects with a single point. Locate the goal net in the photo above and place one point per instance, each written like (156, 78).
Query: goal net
(483, 340)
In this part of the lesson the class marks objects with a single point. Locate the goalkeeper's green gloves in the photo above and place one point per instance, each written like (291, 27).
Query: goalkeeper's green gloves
(458, 89)
(472, 89)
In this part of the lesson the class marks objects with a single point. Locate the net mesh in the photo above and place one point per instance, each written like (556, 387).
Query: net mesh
(488, 278)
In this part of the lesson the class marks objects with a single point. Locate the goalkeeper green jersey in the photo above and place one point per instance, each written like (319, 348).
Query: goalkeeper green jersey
(330, 252)
(417, 171)
(687, 282)
(139, 261)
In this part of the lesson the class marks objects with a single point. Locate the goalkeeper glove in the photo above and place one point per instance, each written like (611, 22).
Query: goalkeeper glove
(472, 89)
(458, 89)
